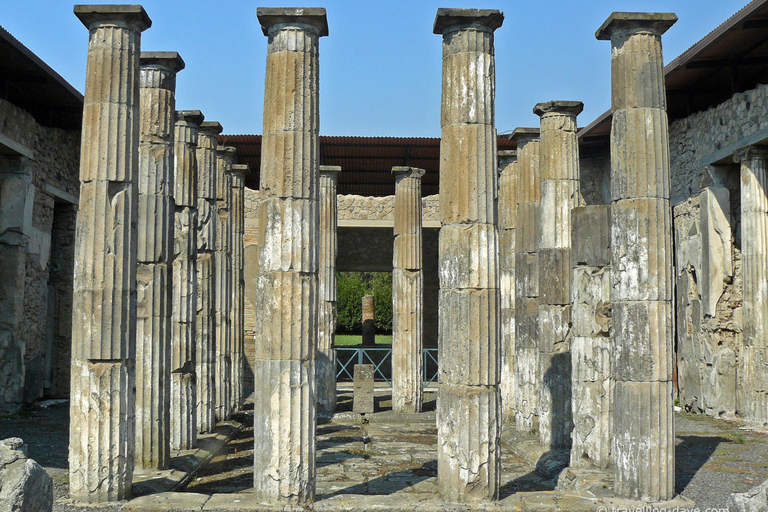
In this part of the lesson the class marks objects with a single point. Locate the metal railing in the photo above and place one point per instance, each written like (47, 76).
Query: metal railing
(381, 359)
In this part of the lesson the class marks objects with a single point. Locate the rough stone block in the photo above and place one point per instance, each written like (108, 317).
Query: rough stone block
(468, 256)
(469, 331)
(362, 397)
(591, 424)
(554, 276)
(554, 328)
(716, 257)
(591, 358)
(642, 341)
(24, 484)
(591, 236)
(526, 275)
(591, 295)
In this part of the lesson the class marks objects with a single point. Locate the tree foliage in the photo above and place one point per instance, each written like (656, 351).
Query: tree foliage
(351, 286)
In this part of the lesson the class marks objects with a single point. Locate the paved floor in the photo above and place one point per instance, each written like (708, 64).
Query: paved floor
(389, 463)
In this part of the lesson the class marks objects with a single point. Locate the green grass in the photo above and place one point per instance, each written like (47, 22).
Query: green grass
(355, 339)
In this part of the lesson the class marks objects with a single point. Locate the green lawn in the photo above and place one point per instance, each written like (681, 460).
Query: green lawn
(355, 339)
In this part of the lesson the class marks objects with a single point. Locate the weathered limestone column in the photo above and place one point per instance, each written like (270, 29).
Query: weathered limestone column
(527, 380)
(591, 336)
(328, 245)
(468, 410)
(753, 392)
(102, 399)
(507, 231)
(407, 293)
(207, 218)
(369, 321)
(153, 274)
(559, 181)
(285, 399)
(225, 157)
(643, 447)
(237, 216)
(184, 315)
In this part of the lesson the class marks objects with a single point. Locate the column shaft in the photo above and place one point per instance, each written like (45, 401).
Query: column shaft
(102, 398)
(643, 449)
(407, 294)
(287, 293)
(328, 245)
(237, 216)
(185, 283)
(468, 401)
(507, 230)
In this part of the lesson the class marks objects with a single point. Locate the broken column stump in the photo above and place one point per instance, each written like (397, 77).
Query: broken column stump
(362, 396)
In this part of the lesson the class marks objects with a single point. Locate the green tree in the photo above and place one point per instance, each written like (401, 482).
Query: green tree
(351, 286)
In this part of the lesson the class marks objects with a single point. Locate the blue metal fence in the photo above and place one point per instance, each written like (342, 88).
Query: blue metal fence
(381, 359)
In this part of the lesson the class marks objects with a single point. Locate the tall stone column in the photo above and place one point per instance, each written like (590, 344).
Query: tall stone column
(643, 448)
(287, 294)
(559, 181)
(527, 380)
(237, 216)
(102, 398)
(407, 293)
(328, 244)
(753, 393)
(153, 274)
(225, 158)
(468, 411)
(205, 325)
(507, 232)
(185, 285)
(369, 320)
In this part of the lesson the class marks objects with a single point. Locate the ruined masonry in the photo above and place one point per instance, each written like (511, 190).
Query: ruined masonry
(185, 284)
(468, 408)
(155, 253)
(207, 219)
(326, 317)
(559, 182)
(643, 448)
(285, 397)
(407, 293)
(528, 195)
(102, 399)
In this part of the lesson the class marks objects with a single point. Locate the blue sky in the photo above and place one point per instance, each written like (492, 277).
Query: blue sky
(380, 66)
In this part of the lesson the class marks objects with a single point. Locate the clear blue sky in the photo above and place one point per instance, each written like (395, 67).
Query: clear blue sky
(380, 66)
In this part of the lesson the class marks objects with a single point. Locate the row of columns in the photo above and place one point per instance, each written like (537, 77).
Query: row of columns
(144, 287)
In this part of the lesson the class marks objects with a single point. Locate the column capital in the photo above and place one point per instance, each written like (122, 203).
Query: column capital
(450, 20)
(333, 170)
(749, 153)
(405, 171)
(628, 22)
(272, 18)
(134, 15)
(190, 116)
(240, 169)
(524, 135)
(213, 127)
(227, 153)
(505, 157)
(171, 61)
(568, 108)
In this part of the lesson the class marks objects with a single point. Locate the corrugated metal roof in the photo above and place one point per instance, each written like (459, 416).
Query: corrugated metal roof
(366, 162)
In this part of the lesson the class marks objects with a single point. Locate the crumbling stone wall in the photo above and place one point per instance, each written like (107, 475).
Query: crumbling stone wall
(353, 207)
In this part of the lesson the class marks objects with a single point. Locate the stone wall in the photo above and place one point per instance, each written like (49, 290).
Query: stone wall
(353, 207)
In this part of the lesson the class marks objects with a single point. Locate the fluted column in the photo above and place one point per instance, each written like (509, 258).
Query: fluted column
(285, 399)
(205, 325)
(184, 314)
(753, 393)
(225, 158)
(407, 293)
(468, 411)
(559, 181)
(102, 398)
(528, 195)
(507, 231)
(643, 447)
(328, 245)
(156, 210)
(237, 217)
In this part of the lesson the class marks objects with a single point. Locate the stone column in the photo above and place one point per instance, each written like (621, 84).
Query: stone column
(153, 274)
(184, 315)
(527, 381)
(237, 216)
(407, 293)
(369, 321)
(591, 336)
(752, 396)
(225, 157)
(559, 181)
(643, 448)
(207, 218)
(328, 244)
(468, 411)
(507, 231)
(286, 310)
(102, 397)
